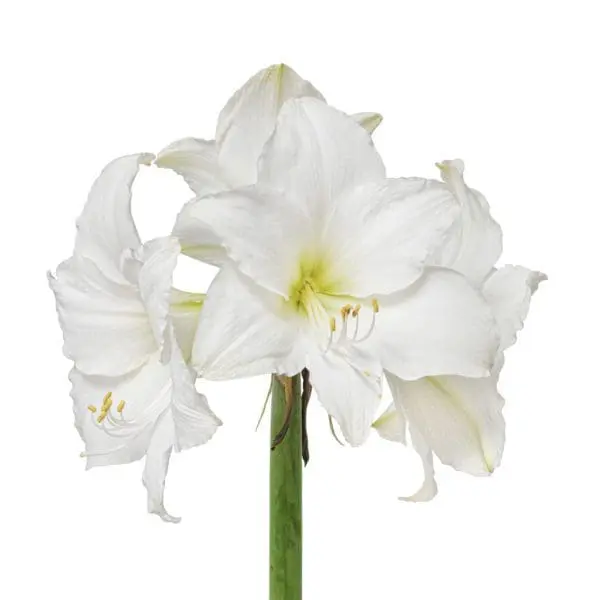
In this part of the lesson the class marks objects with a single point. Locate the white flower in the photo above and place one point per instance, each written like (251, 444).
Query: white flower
(327, 272)
(230, 160)
(133, 393)
(460, 418)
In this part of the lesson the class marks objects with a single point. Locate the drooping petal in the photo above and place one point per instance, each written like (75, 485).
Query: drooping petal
(440, 325)
(391, 425)
(459, 418)
(197, 162)
(509, 292)
(475, 242)
(157, 465)
(316, 155)
(249, 118)
(369, 121)
(262, 233)
(184, 313)
(120, 437)
(105, 327)
(243, 331)
(381, 235)
(194, 421)
(350, 393)
(105, 228)
(428, 489)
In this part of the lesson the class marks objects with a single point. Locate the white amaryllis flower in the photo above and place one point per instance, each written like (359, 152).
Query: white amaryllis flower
(230, 160)
(460, 418)
(326, 271)
(133, 393)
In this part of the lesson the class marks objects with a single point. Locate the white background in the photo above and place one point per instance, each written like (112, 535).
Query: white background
(510, 87)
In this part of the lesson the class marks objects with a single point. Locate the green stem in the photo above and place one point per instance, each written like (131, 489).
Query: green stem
(286, 497)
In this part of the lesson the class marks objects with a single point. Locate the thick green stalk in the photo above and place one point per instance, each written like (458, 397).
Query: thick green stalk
(286, 496)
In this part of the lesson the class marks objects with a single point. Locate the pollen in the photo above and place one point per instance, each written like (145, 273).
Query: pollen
(121, 406)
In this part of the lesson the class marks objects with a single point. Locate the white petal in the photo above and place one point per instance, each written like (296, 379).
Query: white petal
(197, 162)
(262, 233)
(350, 393)
(185, 312)
(381, 235)
(440, 325)
(105, 327)
(105, 228)
(475, 242)
(369, 121)
(147, 394)
(316, 155)
(509, 291)
(157, 465)
(459, 418)
(249, 118)
(391, 425)
(428, 489)
(242, 331)
(198, 240)
(195, 423)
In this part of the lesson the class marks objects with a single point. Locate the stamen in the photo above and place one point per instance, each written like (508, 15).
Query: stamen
(101, 417)
(92, 408)
(375, 305)
(121, 406)
(356, 315)
(332, 328)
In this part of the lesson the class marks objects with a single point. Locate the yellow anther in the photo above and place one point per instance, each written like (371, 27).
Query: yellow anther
(375, 304)
(101, 416)
(92, 408)
(106, 398)
(332, 324)
(356, 310)
(121, 406)
(345, 311)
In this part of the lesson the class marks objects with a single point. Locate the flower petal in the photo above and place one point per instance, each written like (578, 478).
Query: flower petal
(146, 393)
(509, 292)
(249, 118)
(184, 313)
(369, 121)
(350, 393)
(262, 233)
(475, 242)
(316, 154)
(440, 325)
(105, 327)
(243, 331)
(105, 228)
(459, 418)
(197, 162)
(391, 425)
(428, 489)
(157, 465)
(382, 234)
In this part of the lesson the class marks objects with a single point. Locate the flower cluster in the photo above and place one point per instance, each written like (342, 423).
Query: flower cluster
(326, 267)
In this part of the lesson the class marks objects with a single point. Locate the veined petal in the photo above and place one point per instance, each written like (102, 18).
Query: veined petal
(120, 437)
(349, 393)
(249, 118)
(316, 154)
(197, 162)
(459, 418)
(105, 228)
(382, 234)
(262, 233)
(243, 331)
(391, 425)
(194, 421)
(369, 121)
(105, 326)
(184, 313)
(509, 292)
(157, 465)
(440, 325)
(475, 242)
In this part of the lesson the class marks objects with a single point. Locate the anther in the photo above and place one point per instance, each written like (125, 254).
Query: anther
(375, 304)
(356, 310)
(121, 406)
(92, 408)
(332, 324)
(102, 416)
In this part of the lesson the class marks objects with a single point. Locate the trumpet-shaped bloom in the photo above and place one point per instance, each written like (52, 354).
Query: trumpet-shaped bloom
(230, 160)
(327, 270)
(133, 392)
(460, 418)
